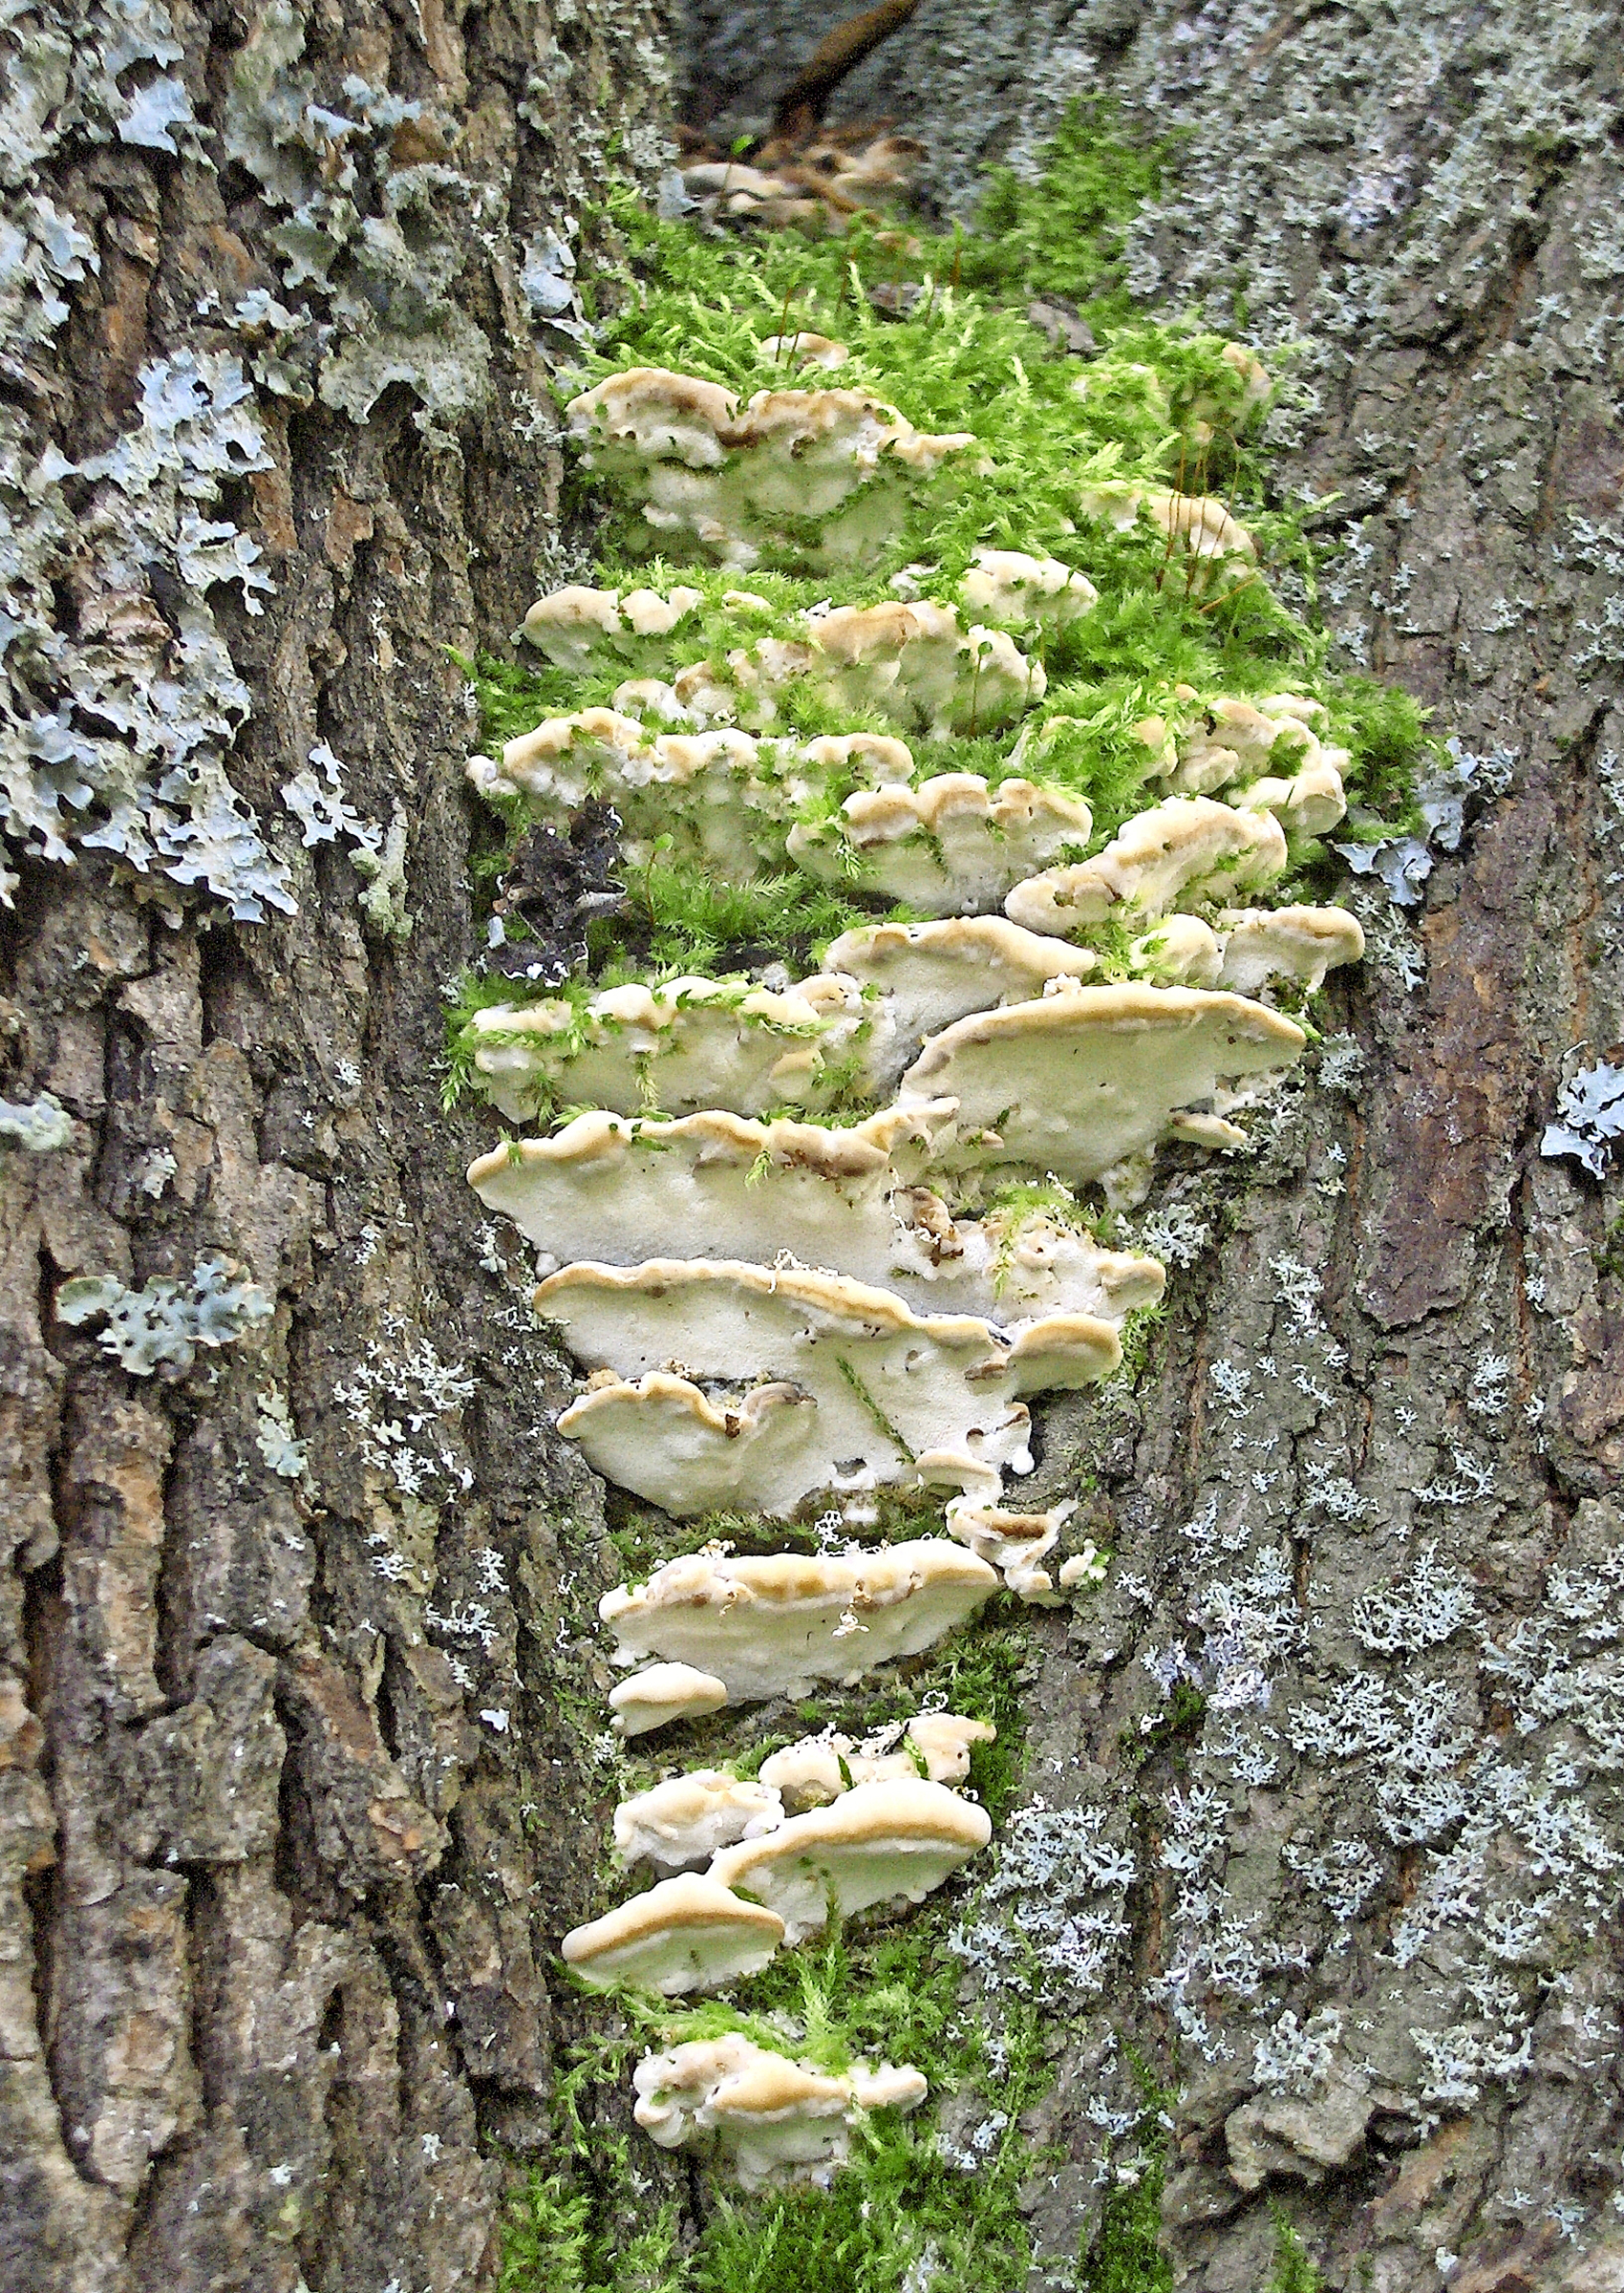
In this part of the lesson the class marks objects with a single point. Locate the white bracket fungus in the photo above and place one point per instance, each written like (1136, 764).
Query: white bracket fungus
(888, 1842)
(1261, 944)
(951, 846)
(777, 1626)
(932, 973)
(816, 1772)
(737, 482)
(769, 2118)
(747, 1374)
(885, 1395)
(690, 1933)
(1013, 1543)
(1079, 1079)
(686, 1044)
(661, 1693)
(576, 626)
(1186, 848)
(682, 1822)
(1026, 593)
(612, 1190)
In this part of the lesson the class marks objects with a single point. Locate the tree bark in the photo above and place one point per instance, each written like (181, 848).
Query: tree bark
(299, 1671)
(280, 1852)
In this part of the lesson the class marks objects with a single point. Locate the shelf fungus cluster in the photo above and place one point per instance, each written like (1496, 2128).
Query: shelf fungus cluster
(809, 1238)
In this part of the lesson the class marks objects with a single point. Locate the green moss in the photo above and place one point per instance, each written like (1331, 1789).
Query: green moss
(1178, 1724)
(1294, 2270)
(1063, 233)
(1125, 2255)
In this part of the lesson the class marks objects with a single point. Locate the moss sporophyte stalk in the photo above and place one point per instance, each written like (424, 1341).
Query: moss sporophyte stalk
(969, 774)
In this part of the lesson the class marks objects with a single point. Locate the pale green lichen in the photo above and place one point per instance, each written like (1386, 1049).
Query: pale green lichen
(41, 1126)
(159, 1328)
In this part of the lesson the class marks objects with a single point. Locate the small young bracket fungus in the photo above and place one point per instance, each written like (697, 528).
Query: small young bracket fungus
(952, 846)
(1026, 593)
(889, 1842)
(1013, 1543)
(892, 1392)
(661, 1693)
(815, 1771)
(934, 973)
(1186, 848)
(1261, 944)
(580, 629)
(722, 795)
(1180, 951)
(1080, 1079)
(1311, 801)
(768, 2118)
(741, 482)
(686, 1044)
(1241, 740)
(682, 1822)
(687, 1934)
(775, 1626)
(916, 666)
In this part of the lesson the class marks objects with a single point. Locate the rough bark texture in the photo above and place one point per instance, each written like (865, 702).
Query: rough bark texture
(1427, 199)
(277, 1812)
(292, 1796)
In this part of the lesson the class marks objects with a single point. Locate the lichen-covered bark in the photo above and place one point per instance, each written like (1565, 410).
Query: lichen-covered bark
(288, 1797)
(1395, 1360)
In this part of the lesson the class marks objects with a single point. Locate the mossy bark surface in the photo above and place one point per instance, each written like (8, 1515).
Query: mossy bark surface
(1425, 203)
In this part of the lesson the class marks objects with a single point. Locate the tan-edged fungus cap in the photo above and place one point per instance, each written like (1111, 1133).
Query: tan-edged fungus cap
(879, 1843)
(662, 1693)
(687, 1934)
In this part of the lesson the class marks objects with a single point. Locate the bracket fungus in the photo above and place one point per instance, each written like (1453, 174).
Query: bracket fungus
(870, 1298)
(576, 628)
(739, 480)
(1186, 848)
(768, 2118)
(1261, 944)
(888, 1842)
(816, 1770)
(932, 973)
(689, 1043)
(779, 1624)
(612, 1189)
(952, 847)
(884, 1395)
(662, 1693)
(1080, 1079)
(690, 1933)
(681, 1823)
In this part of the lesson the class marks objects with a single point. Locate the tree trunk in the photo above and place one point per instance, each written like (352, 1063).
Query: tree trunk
(280, 1853)
(299, 1664)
